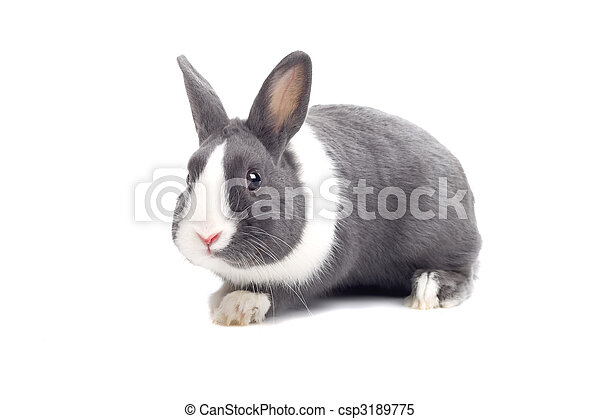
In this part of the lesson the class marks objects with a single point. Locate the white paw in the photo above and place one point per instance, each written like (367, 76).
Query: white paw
(242, 308)
(450, 303)
(425, 293)
(215, 299)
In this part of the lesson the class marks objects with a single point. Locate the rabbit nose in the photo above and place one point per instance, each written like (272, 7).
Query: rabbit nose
(210, 239)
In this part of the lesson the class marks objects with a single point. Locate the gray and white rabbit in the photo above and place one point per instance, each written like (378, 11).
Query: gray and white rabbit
(274, 253)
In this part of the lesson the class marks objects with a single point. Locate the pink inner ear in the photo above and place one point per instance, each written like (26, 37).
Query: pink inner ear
(285, 95)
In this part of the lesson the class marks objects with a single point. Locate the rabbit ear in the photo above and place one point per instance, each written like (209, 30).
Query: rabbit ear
(207, 110)
(280, 108)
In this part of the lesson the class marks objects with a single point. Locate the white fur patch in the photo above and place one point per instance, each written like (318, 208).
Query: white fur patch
(425, 292)
(207, 213)
(216, 297)
(242, 308)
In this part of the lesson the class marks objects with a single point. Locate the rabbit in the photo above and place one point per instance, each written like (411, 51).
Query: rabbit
(331, 238)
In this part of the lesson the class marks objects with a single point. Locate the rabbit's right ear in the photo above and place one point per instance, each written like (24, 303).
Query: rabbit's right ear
(281, 106)
(207, 109)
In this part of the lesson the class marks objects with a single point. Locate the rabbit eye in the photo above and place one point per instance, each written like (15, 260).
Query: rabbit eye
(253, 180)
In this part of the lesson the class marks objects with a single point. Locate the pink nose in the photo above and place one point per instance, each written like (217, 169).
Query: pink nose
(210, 239)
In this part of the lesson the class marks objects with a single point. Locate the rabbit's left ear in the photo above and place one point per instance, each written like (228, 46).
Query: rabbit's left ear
(280, 108)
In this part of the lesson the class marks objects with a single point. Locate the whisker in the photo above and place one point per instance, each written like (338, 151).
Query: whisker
(299, 298)
(262, 231)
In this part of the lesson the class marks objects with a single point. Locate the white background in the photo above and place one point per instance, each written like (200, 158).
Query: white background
(100, 316)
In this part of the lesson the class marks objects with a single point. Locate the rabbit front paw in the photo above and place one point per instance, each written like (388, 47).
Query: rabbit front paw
(241, 308)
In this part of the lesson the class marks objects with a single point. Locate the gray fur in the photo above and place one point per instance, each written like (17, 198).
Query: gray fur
(244, 151)
(365, 144)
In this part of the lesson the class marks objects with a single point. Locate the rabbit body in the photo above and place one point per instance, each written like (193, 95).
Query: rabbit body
(389, 209)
